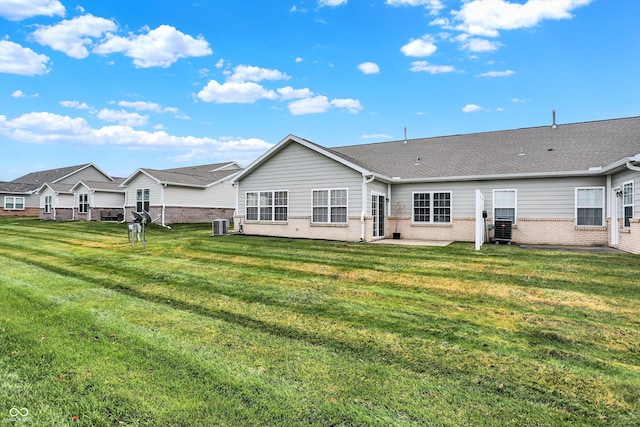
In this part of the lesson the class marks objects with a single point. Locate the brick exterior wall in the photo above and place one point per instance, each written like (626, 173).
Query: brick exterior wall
(31, 212)
(630, 237)
(301, 227)
(182, 215)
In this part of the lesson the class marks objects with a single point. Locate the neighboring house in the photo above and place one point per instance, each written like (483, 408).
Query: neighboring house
(56, 202)
(99, 201)
(21, 198)
(570, 184)
(18, 199)
(183, 195)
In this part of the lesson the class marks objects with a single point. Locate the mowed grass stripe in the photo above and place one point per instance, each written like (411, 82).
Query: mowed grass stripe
(492, 339)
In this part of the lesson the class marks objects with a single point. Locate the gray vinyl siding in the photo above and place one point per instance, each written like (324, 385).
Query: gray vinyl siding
(627, 176)
(221, 195)
(536, 198)
(87, 174)
(141, 182)
(108, 199)
(299, 170)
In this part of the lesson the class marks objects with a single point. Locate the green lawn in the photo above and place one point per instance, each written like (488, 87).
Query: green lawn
(247, 331)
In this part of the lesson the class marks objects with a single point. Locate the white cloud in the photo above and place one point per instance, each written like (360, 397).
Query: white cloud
(160, 47)
(369, 68)
(18, 94)
(17, 10)
(504, 73)
(434, 6)
(423, 46)
(298, 59)
(44, 127)
(288, 92)
(474, 44)
(72, 36)
(488, 17)
(141, 106)
(353, 105)
(122, 117)
(331, 3)
(250, 73)
(471, 108)
(376, 136)
(321, 104)
(233, 92)
(15, 59)
(424, 66)
(75, 104)
(317, 104)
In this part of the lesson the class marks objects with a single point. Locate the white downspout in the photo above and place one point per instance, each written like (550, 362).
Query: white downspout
(633, 167)
(388, 207)
(365, 181)
(611, 207)
(91, 204)
(162, 202)
(124, 207)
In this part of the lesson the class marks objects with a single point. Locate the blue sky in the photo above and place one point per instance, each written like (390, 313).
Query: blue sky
(161, 84)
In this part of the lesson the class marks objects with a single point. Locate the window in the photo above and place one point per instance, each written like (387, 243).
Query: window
(83, 203)
(627, 203)
(504, 205)
(590, 206)
(142, 200)
(14, 203)
(329, 206)
(432, 207)
(267, 206)
(47, 204)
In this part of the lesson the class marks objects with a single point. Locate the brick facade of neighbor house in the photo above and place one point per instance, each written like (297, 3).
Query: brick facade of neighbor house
(179, 215)
(26, 212)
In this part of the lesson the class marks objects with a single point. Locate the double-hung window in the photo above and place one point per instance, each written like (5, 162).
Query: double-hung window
(14, 203)
(590, 206)
(83, 203)
(627, 202)
(432, 207)
(504, 205)
(267, 206)
(47, 204)
(330, 206)
(142, 200)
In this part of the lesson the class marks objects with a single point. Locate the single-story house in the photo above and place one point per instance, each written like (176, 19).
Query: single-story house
(18, 199)
(569, 184)
(56, 202)
(98, 201)
(21, 196)
(183, 195)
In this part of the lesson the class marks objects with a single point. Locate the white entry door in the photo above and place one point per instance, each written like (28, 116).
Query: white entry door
(377, 211)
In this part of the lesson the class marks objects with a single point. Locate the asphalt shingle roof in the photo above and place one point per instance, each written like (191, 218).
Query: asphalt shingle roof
(50, 175)
(572, 147)
(202, 175)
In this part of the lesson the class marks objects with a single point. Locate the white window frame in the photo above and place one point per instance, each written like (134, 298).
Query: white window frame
(83, 205)
(275, 211)
(48, 204)
(331, 207)
(431, 207)
(600, 206)
(141, 200)
(11, 205)
(498, 205)
(627, 202)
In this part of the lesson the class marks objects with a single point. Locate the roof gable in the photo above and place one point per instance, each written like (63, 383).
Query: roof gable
(191, 176)
(292, 139)
(56, 175)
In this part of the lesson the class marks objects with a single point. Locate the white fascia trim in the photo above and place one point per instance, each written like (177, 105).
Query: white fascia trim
(497, 177)
(135, 174)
